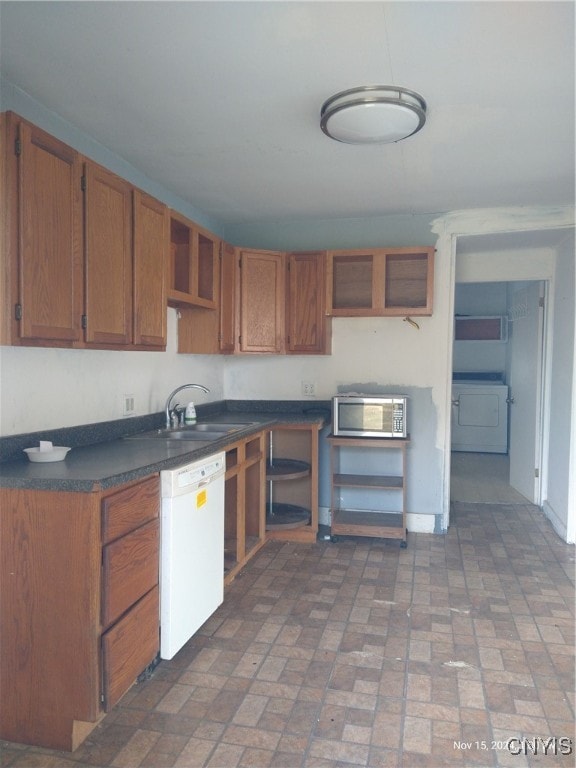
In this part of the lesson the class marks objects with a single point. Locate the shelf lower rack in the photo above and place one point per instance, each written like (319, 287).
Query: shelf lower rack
(286, 469)
(285, 516)
(351, 522)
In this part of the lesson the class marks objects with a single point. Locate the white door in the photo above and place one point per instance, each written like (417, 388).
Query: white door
(526, 351)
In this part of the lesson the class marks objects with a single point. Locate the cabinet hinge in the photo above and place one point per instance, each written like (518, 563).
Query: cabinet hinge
(536, 472)
(18, 311)
(84, 322)
(83, 183)
(17, 147)
(541, 301)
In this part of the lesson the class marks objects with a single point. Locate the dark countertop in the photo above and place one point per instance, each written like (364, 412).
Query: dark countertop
(100, 458)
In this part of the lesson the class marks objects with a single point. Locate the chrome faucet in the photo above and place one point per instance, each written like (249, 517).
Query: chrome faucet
(178, 389)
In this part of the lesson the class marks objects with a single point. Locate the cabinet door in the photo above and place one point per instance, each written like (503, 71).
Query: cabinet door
(308, 327)
(262, 301)
(151, 240)
(408, 282)
(229, 289)
(349, 283)
(49, 238)
(129, 570)
(6, 227)
(107, 257)
(129, 647)
(379, 282)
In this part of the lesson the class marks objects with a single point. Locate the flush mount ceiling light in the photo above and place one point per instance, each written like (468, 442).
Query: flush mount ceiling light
(373, 114)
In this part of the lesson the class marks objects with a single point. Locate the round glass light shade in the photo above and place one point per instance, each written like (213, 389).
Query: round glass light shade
(373, 115)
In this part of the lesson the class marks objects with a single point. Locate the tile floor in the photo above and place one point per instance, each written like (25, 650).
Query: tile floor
(469, 472)
(359, 653)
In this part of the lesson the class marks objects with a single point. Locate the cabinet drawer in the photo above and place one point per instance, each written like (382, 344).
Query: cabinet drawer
(129, 570)
(130, 508)
(129, 647)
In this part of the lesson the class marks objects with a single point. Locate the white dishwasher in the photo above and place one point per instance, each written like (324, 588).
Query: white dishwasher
(191, 549)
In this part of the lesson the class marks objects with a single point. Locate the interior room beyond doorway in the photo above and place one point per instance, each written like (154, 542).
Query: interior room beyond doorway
(491, 462)
(482, 478)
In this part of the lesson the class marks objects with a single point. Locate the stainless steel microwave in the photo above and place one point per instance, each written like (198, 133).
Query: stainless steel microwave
(369, 416)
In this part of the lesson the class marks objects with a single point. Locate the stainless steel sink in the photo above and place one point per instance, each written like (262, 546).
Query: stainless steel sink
(204, 431)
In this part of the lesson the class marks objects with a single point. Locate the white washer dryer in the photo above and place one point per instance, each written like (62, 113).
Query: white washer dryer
(479, 416)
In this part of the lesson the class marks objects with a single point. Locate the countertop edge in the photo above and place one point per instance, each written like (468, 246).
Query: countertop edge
(19, 473)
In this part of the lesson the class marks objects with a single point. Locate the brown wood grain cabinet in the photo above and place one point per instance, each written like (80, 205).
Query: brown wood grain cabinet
(380, 282)
(262, 301)
(46, 236)
(270, 303)
(205, 331)
(308, 328)
(84, 252)
(244, 512)
(193, 266)
(78, 606)
(150, 260)
(107, 257)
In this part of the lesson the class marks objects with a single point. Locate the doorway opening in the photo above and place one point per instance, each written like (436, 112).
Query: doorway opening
(497, 387)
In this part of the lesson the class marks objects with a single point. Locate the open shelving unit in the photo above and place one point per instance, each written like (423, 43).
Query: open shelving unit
(292, 478)
(349, 519)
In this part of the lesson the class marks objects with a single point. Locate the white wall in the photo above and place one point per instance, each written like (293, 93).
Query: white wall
(368, 354)
(560, 503)
(50, 388)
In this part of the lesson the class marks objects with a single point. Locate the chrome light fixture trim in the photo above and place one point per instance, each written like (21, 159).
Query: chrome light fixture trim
(373, 114)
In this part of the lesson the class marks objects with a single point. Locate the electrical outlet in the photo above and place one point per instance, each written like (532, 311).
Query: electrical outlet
(128, 405)
(309, 388)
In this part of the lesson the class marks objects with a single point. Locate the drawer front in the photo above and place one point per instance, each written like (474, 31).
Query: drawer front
(129, 647)
(130, 569)
(130, 508)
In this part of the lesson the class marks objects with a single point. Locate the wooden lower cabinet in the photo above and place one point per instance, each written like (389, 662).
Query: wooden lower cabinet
(74, 634)
(128, 647)
(292, 477)
(244, 525)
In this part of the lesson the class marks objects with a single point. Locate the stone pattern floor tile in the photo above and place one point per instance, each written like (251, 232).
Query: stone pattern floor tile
(457, 651)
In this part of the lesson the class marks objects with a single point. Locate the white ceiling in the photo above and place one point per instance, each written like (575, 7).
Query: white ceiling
(219, 101)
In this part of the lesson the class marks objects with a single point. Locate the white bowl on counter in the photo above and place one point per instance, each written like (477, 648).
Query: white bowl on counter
(56, 453)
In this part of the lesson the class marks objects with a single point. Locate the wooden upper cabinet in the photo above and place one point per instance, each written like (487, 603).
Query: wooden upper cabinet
(229, 298)
(6, 268)
(270, 302)
(194, 261)
(48, 240)
(107, 257)
(308, 328)
(84, 254)
(262, 301)
(380, 281)
(151, 238)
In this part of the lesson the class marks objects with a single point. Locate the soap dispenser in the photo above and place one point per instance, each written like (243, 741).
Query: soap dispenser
(190, 414)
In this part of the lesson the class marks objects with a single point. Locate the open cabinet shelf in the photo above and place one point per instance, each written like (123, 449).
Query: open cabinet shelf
(350, 516)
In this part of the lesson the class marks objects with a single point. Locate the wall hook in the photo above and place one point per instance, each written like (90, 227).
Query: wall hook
(412, 322)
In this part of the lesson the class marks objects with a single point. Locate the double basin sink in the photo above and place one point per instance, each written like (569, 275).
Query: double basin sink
(205, 432)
